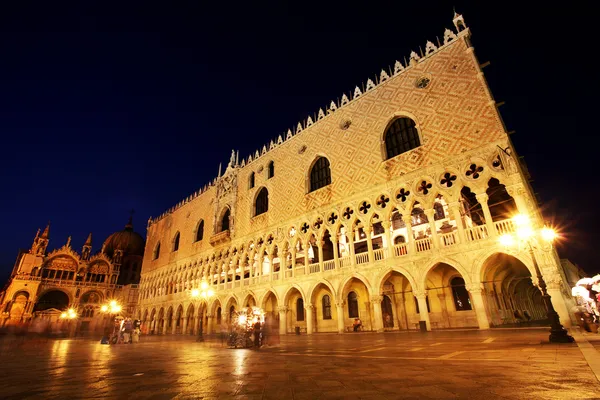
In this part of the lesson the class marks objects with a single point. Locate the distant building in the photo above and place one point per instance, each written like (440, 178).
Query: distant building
(44, 284)
(387, 205)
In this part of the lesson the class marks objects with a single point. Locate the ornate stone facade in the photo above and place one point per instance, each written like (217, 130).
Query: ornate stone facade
(393, 240)
(45, 284)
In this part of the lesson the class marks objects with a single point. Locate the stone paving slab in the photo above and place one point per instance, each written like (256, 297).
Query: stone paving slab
(507, 364)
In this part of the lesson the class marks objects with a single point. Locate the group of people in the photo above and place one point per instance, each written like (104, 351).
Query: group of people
(587, 295)
(124, 331)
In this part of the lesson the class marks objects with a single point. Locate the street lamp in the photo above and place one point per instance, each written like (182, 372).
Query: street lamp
(526, 234)
(68, 315)
(111, 308)
(204, 293)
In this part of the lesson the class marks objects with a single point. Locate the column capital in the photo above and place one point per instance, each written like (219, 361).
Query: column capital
(474, 287)
(430, 212)
(309, 307)
(283, 309)
(376, 299)
(340, 303)
(420, 293)
(407, 219)
(482, 197)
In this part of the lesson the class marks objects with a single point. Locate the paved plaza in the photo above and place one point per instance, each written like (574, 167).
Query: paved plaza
(471, 364)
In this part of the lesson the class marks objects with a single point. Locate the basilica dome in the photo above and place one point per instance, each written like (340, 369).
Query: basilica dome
(132, 243)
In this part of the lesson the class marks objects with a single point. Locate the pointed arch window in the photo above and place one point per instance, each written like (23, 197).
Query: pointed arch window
(326, 303)
(200, 231)
(401, 136)
(352, 305)
(156, 252)
(320, 174)
(462, 302)
(271, 170)
(176, 242)
(299, 310)
(225, 221)
(262, 202)
(251, 180)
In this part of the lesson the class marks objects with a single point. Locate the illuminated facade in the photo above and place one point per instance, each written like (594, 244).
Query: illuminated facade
(386, 205)
(44, 284)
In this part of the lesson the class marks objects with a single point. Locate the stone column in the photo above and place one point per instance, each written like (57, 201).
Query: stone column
(482, 198)
(517, 192)
(369, 232)
(294, 261)
(476, 295)
(421, 296)
(184, 327)
(272, 267)
(430, 213)
(351, 246)
(388, 241)
(309, 318)
(377, 314)
(553, 287)
(455, 212)
(283, 320)
(336, 251)
(340, 317)
(165, 326)
(411, 237)
(320, 248)
(173, 325)
(209, 324)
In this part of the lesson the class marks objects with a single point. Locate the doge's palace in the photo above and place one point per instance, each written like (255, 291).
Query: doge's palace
(386, 205)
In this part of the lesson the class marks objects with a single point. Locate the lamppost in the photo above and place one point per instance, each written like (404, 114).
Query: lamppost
(110, 309)
(525, 234)
(204, 293)
(69, 315)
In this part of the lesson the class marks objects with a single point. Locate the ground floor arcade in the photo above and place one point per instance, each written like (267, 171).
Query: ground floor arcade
(490, 289)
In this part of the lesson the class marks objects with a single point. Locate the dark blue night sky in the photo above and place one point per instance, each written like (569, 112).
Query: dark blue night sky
(108, 106)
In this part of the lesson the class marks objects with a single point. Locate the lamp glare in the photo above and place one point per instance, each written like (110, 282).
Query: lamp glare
(548, 234)
(506, 240)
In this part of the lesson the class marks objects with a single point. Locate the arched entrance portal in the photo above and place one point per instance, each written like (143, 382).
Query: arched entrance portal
(294, 315)
(399, 305)
(449, 302)
(52, 299)
(325, 314)
(510, 297)
(271, 314)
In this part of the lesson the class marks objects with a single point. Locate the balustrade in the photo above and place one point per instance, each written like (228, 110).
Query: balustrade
(378, 254)
(300, 270)
(362, 258)
(344, 262)
(328, 265)
(423, 245)
(400, 249)
(289, 273)
(276, 275)
(505, 226)
(314, 267)
(476, 233)
(448, 239)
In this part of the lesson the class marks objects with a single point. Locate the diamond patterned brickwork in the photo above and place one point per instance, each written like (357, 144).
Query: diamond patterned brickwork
(453, 113)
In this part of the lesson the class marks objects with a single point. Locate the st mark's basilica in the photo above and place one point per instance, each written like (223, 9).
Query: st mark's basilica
(388, 205)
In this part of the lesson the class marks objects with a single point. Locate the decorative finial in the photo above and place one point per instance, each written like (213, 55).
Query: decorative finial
(68, 242)
(46, 233)
(88, 241)
(129, 225)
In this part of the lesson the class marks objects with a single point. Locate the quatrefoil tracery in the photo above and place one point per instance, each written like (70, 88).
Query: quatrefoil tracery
(383, 200)
(304, 228)
(474, 171)
(318, 223)
(403, 195)
(332, 218)
(348, 212)
(424, 187)
(364, 207)
(448, 179)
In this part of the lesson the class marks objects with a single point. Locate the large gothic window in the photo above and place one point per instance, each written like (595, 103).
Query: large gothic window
(225, 221)
(320, 174)
(200, 231)
(251, 180)
(460, 294)
(176, 242)
(326, 303)
(156, 251)
(400, 137)
(271, 170)
(299, 310)
(262, 202)
(352, 305)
